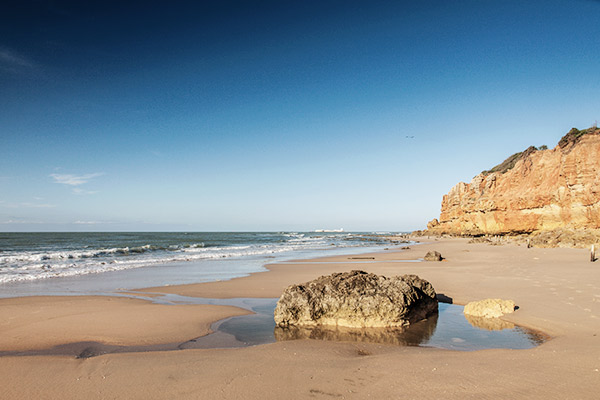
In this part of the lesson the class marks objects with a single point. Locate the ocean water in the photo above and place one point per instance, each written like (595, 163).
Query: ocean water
(41, 263)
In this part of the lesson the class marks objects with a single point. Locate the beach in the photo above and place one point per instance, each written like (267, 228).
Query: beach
(170, 171)
(557, 292)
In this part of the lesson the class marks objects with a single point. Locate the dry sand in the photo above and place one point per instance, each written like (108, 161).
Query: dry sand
(557, 291)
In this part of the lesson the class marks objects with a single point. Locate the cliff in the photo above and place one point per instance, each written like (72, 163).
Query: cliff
(536, 190)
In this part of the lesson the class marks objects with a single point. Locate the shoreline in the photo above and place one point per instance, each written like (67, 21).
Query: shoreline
(555, 289)
(176, 272)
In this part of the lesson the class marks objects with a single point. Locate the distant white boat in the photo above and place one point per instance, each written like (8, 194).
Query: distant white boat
(330, 230)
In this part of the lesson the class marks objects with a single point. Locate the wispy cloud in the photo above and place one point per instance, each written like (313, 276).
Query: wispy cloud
(74, 180)
(83, 192)
(25, 205)
(19, 221)
(13, 62)
(36, 205)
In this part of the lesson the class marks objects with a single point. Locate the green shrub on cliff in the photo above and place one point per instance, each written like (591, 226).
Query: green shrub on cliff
(574, 135)
(571, 138)
(510, 162)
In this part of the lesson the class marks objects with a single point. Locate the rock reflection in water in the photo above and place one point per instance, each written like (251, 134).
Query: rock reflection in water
(490, 324)
(448, 329)
(413, 335)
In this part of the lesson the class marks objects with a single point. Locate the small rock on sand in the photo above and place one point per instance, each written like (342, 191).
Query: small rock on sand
(489, 308)
(433, 256)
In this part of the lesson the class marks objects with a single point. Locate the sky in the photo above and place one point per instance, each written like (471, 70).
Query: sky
(277, 115)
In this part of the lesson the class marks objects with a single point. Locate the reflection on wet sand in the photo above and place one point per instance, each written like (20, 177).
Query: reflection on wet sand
(448, 329)
(490, 324)
(413, 335)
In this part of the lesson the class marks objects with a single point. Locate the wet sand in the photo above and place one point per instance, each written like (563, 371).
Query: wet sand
(557, 291)
(31, 323)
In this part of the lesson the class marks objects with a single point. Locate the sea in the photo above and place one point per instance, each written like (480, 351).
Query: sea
(104, 262)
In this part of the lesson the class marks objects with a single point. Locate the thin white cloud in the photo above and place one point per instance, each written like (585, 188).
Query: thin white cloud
(13, 62)
(25, 205)
(83, 192)
(19, 221)
(36, 205)
(74, 180)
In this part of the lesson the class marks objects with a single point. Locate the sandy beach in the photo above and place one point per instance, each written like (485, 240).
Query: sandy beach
(557, 292)
(170, 170)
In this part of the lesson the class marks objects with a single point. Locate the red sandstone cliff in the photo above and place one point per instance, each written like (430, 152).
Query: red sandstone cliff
(544, 190)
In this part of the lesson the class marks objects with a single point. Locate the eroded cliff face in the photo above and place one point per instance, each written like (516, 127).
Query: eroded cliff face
(544, 190)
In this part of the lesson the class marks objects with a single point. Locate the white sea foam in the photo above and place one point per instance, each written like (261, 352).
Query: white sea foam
(54, 261)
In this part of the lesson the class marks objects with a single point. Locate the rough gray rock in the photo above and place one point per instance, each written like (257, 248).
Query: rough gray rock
(433, 256)
(357, 299)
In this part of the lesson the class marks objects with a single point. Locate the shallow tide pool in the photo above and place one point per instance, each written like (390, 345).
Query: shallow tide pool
(449, 329)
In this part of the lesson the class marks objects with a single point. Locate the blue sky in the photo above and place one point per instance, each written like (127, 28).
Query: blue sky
(277, 115)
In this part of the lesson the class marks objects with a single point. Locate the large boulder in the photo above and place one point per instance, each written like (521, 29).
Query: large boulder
(433, 223)
(489, 308)
(356, 299)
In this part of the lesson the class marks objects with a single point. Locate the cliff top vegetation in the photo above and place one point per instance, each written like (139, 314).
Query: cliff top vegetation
(575, 135)
(566, 142)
